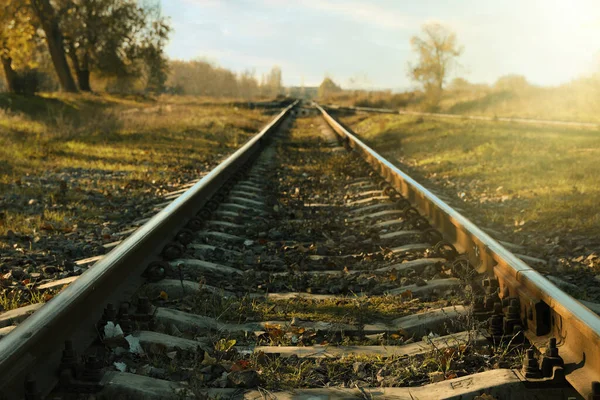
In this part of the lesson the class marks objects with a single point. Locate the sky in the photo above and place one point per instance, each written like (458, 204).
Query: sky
(366, 44)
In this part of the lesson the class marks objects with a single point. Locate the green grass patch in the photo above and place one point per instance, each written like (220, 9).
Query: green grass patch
(523, 177)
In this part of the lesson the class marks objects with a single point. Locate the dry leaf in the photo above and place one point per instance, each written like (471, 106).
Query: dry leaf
(208, 360)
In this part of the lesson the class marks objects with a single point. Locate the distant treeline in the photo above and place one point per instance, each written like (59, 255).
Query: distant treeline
(509, 96)
(205, 79)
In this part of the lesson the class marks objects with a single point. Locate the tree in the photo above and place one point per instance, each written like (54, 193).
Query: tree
(117, 38)
(271, 83)
(153, 40)
(328, 87)
(17, 38)
(46, 15)
(247, 85)
(438, 51)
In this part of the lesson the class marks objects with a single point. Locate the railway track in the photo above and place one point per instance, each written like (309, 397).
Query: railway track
(298, 269)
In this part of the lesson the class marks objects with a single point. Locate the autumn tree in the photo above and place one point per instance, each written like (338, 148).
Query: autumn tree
(437, 49)
(152, 42)
(49, 21)
(247, 85)
(116, 38)
(17, 38)
(328, 87)
(272, 83)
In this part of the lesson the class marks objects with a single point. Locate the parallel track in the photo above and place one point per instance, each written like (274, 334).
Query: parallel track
(292, 224)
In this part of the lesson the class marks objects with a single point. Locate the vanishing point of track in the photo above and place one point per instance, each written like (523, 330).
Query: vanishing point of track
(306, 253)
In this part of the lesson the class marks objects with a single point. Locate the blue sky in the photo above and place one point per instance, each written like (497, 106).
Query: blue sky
(548, 41)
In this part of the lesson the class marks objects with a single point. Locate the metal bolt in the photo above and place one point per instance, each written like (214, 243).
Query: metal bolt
(109, 314)
(156, 271)
(595, 395)
(124, 320)
(143, 305)
(68, 360)
(530, 365)
(551, 359)
(512, 316)
(496, 326)
(185, 236)
(172, 251)
(93, 369)
(31, 390)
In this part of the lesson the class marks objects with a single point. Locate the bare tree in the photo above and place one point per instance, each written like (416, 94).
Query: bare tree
(438, 51)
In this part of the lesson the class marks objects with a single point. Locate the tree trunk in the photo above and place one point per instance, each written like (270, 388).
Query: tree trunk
(54, 39)
(9, 74)
(81, 71)
(84, 74)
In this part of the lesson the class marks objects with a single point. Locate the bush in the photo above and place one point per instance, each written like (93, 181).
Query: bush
(27, 82)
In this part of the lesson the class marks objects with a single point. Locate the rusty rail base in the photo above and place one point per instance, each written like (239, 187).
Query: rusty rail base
(546, 311)
(33, 350)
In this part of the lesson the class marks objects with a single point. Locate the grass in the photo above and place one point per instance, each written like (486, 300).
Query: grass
(129, 141)
(520, 177)
(350, 310)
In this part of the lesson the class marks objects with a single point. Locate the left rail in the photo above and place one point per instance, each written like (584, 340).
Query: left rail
(33, 350)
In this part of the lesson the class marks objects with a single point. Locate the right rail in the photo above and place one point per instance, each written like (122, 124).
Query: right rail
(546, 311)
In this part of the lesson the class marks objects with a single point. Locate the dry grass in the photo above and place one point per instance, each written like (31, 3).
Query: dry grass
(125, 139)
(524, 178)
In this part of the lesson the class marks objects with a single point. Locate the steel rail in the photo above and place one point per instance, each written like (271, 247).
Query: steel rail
(545, 310)
(33, 349)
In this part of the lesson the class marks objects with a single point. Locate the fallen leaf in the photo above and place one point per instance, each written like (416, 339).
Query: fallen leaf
(120, 366)
(134, 344)
(240, 365)
(163, 295)
(208, 360)
(111, 330)
(225, 345)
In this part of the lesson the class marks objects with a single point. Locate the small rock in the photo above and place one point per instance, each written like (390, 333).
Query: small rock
(50, 269)
(243, 379)
(32, 202)
(430, 270)
(381, 374)
(437, 376)
(358, 367)
(18, 273)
